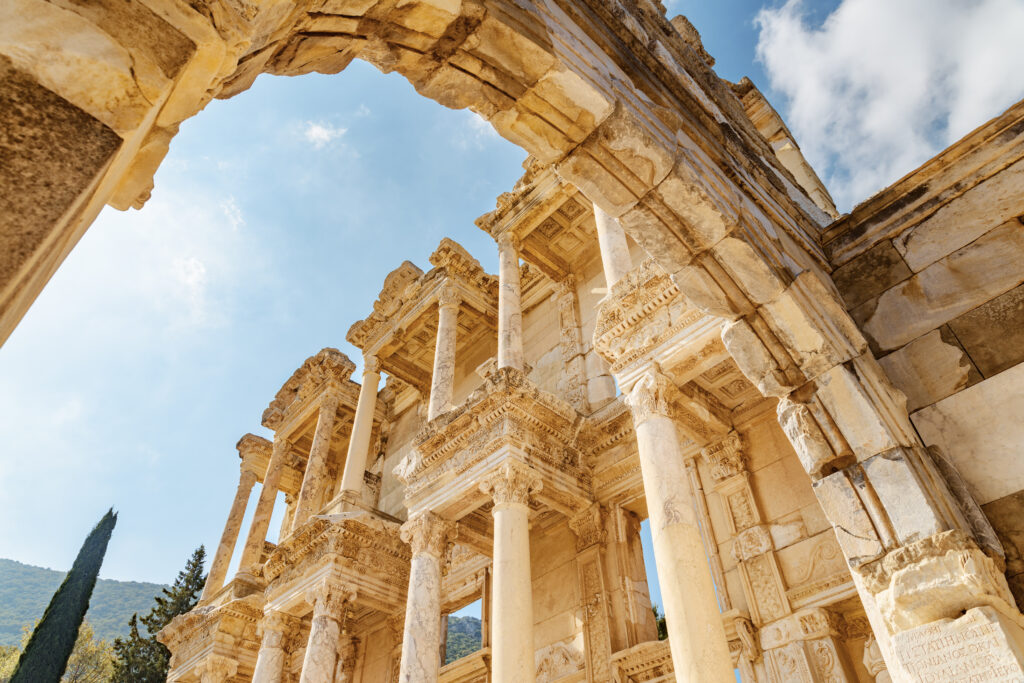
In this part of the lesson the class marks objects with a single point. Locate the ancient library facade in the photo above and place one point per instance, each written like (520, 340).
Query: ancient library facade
(819, 416)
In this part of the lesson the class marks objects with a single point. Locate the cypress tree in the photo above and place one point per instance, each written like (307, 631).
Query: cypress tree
(47, 652)
(143, 659)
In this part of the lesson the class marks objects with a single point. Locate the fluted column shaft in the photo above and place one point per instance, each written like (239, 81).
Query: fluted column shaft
(611, 239)
(321, 658)
(228, 539)
(512, 615)
(271, 658)
(264, 507)
(428, 535)
(510, 314)
(442, 383)
(700, 650)
(315, 478)
(362, 428)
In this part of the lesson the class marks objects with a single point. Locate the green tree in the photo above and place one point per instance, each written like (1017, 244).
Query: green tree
(91, 661)
(143, 659)
(48, 649)
(659, 618)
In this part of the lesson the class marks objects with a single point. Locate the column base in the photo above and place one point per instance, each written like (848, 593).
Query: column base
(982, 645)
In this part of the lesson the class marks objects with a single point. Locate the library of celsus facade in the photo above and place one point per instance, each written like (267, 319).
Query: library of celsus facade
(819, 415)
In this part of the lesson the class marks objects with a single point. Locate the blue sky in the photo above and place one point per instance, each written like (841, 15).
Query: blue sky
(278, 213)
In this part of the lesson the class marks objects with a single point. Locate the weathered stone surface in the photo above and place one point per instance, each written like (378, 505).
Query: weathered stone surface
(854, 530)
(949, 287)
(982, 645)
(870, 274)
(1007, 517)
(930, 368)
(970, 216)
(979, 429)
(993, 333)
(895, 483)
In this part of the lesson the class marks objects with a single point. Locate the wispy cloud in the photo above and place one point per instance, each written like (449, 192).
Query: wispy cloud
(233, 213)
(321, 134)
(881, 86)
(475, 132)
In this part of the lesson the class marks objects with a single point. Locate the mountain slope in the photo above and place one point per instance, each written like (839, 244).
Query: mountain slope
(25, 591)
(463, 637)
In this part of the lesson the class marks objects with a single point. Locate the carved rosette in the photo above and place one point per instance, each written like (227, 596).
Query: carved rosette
(512, 482)
(651, 396)
(428, 533)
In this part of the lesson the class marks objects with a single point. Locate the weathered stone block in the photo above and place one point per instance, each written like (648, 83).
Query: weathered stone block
(993, 333)
(903, 496)
(754, 360)
(870, 274)
(1007, 518)
(980, 431)
(964, 219)
(853, 527)
(930, 368)
(851, 407)
(949, 287)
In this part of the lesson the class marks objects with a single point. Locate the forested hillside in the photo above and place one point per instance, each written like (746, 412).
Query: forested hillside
(26, 590)
(463, 637)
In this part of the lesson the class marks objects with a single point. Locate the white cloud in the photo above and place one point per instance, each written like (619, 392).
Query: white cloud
(475, 133)
(233, 213)
(321, 134)
(881, 86)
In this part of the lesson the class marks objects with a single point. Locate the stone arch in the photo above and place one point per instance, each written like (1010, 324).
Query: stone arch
(624, 105)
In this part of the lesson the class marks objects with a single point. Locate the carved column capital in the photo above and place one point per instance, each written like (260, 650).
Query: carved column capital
(330, 598)
(725, 457)
(508, 240)
(371, 364)
(216, 668)
(511, 482)
(274, 627)
(652, 395)
(588, 526)
(449, 296)
(329, 403)
(428, 533)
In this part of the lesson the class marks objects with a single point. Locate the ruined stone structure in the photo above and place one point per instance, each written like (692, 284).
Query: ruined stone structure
(820, 415)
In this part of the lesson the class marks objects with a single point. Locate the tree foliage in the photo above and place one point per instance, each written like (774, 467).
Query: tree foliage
(142, 658)
(47, 651)
(659, 618)
(91, 661)
(463, 637)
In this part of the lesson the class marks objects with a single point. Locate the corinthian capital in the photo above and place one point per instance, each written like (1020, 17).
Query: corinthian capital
(651, 395)
(329, 599)
(427, 533)
(512, 482)
(448, 296)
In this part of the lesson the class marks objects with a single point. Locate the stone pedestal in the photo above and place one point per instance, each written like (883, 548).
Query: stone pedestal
(510, 314)
(228, 539)
(697, 638)
(362, 428)
(271, 658)
(329, 602)
(614, 249)
(264, 507)
(442, 381)
(512, 617)
(428, 535)
(315, 479)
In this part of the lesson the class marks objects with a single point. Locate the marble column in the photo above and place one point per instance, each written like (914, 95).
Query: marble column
(216, 669)
(696, 635)
(228, 539)
(362, 428)
(512, 616)
(428, 535)
(510, 314)
(264, 507)
(329, 602)
(611, 238)
(271, 658)
(315, 478)
(442, 381)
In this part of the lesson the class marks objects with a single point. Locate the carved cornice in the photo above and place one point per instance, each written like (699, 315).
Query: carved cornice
(808, 624)
(644, 662)
(368, 542)
(511, 483)
(588, 527)
(329, 366)
(507, 409)
(428, 533)
(189, 634)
